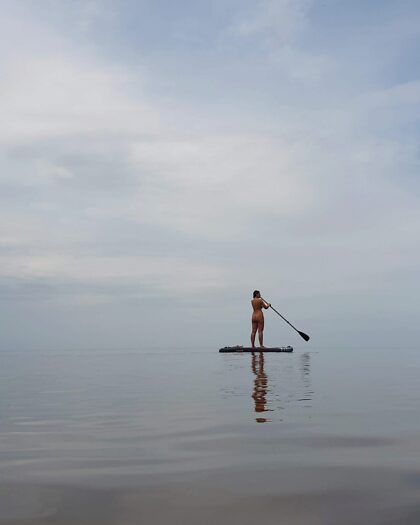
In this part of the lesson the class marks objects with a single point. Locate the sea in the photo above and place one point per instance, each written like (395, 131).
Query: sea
(191, 436)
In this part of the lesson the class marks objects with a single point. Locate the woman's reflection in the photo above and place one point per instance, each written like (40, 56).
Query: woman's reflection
(260, 385)
(291, 382)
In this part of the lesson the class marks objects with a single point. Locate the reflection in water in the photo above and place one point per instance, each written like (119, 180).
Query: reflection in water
(305, 369)
(295, 387)
(260, 385)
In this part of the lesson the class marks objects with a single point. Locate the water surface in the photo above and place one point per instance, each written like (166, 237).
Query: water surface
(317, 436)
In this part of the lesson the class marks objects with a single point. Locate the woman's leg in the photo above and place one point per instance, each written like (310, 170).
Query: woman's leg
(261, 333)
(253, 333)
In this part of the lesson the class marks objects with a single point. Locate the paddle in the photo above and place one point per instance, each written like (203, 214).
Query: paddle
(302, 334)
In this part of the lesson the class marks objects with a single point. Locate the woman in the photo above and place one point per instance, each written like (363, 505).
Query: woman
(258, 318)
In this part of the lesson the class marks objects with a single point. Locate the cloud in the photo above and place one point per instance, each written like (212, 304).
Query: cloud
(80, 129)
(214, 186)
(283, 19)
(279, 25)
(58, 97)
(167, 274)
(116, 189)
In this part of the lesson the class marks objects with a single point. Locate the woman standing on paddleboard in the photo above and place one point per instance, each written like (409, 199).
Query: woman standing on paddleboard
(258, 318)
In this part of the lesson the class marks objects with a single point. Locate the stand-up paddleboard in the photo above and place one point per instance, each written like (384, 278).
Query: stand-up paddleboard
(240, 349)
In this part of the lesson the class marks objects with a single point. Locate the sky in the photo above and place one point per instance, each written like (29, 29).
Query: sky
(160, 160)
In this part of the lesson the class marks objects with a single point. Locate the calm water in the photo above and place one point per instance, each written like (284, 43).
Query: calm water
(315, 437)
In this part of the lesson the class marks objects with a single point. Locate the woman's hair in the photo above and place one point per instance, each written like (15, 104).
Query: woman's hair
(256, 292)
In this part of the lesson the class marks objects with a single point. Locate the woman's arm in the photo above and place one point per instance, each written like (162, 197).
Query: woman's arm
(264, 304)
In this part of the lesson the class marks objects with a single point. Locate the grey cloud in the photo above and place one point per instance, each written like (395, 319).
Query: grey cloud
(128, 211)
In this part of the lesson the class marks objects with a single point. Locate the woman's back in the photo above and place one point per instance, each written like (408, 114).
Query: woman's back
(257, 304)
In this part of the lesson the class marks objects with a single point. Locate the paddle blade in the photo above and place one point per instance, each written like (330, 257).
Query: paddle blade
(304, 336)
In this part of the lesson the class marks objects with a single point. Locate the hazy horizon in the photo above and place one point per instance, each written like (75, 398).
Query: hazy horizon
(159, 161)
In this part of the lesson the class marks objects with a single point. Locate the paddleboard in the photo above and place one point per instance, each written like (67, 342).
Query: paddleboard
(240, 349)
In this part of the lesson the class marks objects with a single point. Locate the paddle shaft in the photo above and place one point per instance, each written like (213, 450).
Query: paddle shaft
(304, 336)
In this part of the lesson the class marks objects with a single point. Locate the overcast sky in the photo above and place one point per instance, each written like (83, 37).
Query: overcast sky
(160, 159)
